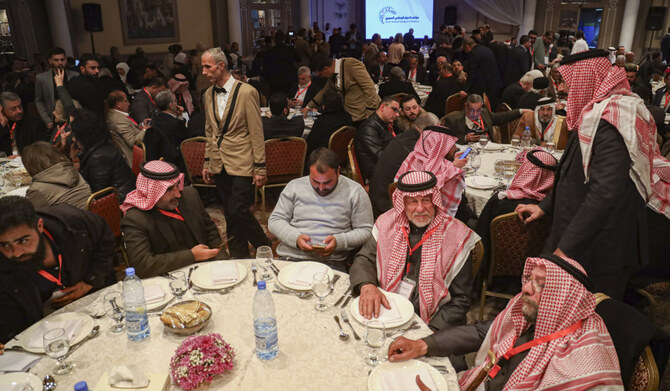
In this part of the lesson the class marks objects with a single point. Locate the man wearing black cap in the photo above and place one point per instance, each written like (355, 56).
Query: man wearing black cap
(530, 98)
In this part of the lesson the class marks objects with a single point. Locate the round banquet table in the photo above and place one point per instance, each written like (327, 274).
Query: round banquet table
(311, 356)
(7, 167)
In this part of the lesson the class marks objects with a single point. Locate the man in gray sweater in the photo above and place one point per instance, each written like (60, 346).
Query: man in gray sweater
(322, 216)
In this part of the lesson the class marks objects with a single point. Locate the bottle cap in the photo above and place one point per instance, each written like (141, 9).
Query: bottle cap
(81, 386)
(130, 271)
(261, 285)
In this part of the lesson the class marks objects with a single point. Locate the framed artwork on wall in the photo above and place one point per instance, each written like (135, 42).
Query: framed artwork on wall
(149, 21)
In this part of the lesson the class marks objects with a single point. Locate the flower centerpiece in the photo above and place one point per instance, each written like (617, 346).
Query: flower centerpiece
(199, 358)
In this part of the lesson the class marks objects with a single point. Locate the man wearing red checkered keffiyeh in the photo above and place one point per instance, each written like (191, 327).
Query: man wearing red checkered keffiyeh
(610, 169)
(417, 243)
(165, 225)
(568, 344)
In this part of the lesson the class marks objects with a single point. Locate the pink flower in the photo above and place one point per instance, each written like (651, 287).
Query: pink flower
(199, 358)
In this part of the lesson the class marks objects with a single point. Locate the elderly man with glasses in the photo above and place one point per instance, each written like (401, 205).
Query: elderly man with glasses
(374, 134)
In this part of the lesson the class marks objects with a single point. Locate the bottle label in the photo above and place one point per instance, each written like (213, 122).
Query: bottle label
(266, 341)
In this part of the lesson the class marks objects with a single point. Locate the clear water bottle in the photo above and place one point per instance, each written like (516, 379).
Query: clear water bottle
(137, 322)
(81, 386)
(525, 138)
(265, 324)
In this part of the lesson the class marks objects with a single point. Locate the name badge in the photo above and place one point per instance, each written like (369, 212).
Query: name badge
(546, 60)
(406, 288)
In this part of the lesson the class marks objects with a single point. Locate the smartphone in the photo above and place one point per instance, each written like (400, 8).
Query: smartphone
(317, 245)
(76, 63)
(465, 153)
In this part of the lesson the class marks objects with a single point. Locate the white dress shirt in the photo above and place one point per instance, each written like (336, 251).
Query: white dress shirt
(222, 99)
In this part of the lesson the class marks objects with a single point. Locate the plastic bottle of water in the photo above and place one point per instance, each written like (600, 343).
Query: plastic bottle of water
(525, 138)
(137, 322)
(265, 324)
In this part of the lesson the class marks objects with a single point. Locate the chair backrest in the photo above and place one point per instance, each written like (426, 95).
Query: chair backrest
(487, 102)
(339, 141)
(193, 153)
(477, 255)
(355, 168)
(455, 102)
(398, 97)
(105, 203)
(512, 241)
(392, 187)
(508, 128)
(139, 156)
(495, 134)
(284, 158)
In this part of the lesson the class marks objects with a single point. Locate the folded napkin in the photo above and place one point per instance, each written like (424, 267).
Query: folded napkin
(405, 379)
(155, 382)
(223, 273)
(153, 293)
(15, 387)
(17, 361)
(71, 327)
(389, 316)
(491, 146)
(304, 273)
(127, 377)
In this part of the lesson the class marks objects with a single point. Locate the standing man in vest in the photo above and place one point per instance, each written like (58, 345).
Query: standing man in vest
(235, 153)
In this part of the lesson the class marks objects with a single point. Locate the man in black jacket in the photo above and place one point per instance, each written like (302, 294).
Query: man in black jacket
(661, 98)
(144, 106)
(380, 70)
(636, 86)
(279, 125)
(59, 252)
(167, 131)
(18, 129)
(279, 65)
(85, 88)
(445, 87)
(482, 70)
(302, 92)
(396, 85)
(518, 62)
(513, 92)
(374, 134)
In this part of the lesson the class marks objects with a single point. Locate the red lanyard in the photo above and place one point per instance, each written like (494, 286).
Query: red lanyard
(48, 276)
(555, 85)
(177, 215)
(423, 239)
(11, 132)
(531, 344)
(413, 75)
(135, 122)
(665, 106)
(480, 123)
(60, 129)
(149, 95)
(545, 129)
(390, 126)
(303, 90)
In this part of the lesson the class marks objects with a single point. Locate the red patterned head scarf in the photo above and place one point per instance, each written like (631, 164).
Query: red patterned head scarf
(601, 91)
(430, 154)
(178, 84)
(155, 178)
(535, 177)
(442, 254)
(580, 360)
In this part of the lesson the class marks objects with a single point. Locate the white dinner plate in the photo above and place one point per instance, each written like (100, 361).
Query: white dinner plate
(410, 368)
(85, 329)
(15, 378)
(286, 273)
(202, 276)
(481, 182)
(165, 284)
(405, 308)
(490, 146)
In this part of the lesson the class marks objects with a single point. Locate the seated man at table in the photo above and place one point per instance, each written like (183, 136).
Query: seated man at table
(303, 92)
(532, 182)
(410, 109)
(18, 128)
(165, 225)
(58, 252)
(374, 134)
(416, 242)
(278, 125)
(475, 121)
(544, 125)
(555, 304)
(445, 87)
(396, 85)
(322, 216)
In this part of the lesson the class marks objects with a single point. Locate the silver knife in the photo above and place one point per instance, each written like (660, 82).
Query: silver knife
(332, 284)
(343, 296)
(344, 305)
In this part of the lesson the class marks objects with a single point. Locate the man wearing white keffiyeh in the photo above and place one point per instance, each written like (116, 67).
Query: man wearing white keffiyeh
(419, 251)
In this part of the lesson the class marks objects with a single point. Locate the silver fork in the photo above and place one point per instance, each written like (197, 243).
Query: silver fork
(345, 319)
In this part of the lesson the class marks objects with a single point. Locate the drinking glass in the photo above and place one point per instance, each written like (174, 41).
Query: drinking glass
(321, 288)
(483, 141)
(476, 162)
(509, 172)
(375, 336)
(551, 147)
(499, 167)
(178, 285)
(114, 309)
(56, 345)
(264, 257)
(515, 142)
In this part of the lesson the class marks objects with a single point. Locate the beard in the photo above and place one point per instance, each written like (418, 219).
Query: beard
(420, 223)
(529, 309)
(34, 260)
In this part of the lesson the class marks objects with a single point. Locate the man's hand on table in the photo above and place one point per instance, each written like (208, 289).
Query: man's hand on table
(472, 137)
(72, 293)
(529, 212)
(403, 349)
(202, 253)
(371, 300)
(330, 243)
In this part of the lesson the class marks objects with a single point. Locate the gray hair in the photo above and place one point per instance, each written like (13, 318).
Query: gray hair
(527, 78)
(474, 98)
(397, 73)
(163, 100)
(304, 70)
(425, 119)
(218, 56)
(8, 96)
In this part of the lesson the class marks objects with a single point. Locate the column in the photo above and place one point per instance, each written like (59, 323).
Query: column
(628, 24)
(235, 23)
(58, 21)
(528, 22)
(305, 14)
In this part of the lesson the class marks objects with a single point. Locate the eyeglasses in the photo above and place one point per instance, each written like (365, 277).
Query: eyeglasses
(395, 109)
(537, 287)
(475, 111)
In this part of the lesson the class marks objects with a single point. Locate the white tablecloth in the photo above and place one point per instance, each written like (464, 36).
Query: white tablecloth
(6, 187)
(422, 90)
(311, 357)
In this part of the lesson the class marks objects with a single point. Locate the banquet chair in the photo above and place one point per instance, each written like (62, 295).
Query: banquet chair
(284, 161)
(653, 292)
(193, 153)
(339, 141)
(139, 156)
(456, 102)
(392, 187)
(506, 129)
(495, 135)
(477, 257)
(105, 203)
(512, 241)
(355, 168)
(645, 375)
(487, 102)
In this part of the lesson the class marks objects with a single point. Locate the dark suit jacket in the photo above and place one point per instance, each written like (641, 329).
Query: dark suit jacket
(45, 93)
(324, 126)
(483, 73)
(444, 88)
(371, 138)
(142, 107)
(28, 130)
(658, 97)
(312, 90)
(87, 91)
(421, 75)
(518, 63)
(154, 249)
(375, 72)
(512, 94)
(393, 87)
(456, 121)
(280, 126)
(279, 67)
(165, 137)
(642, 91)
